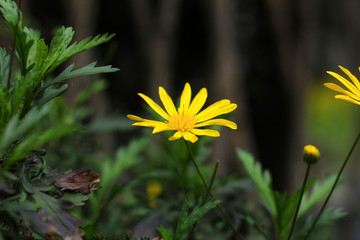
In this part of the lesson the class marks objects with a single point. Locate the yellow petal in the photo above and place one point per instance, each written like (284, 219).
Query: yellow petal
(136, 118)
(341, 90)
(176, 136)
(154, 106)
(185, 99)
(188, 136)
(206, 132)
(222, 122)
(145, 122)
(351, 76)
(346, 83)
(198, 102)
(347, 98)
(161, 128)
(149, 123)
(167, 102)
(219, 108)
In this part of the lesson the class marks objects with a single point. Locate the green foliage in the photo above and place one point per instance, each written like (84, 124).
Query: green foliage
(22, 98)
(186, 220)
(261, 178)
(33, 201)
(281, 207)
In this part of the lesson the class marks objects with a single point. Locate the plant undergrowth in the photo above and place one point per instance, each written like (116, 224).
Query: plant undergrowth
(54, 186)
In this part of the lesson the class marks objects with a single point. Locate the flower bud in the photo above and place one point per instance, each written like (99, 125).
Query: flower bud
(311, 154)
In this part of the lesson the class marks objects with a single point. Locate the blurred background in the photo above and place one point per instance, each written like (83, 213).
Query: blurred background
(268, 56)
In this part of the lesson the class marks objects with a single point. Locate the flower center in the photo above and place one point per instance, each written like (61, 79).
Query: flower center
(182, 122)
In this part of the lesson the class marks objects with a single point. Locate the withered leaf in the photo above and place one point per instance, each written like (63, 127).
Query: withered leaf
(80, 180)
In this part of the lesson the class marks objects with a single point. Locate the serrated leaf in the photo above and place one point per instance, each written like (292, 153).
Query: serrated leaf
(59, 51)
(186, 220)
(22, 37)
(57, 48)
(262, 180)
(84, 71)
(318, 192)
(328, 217)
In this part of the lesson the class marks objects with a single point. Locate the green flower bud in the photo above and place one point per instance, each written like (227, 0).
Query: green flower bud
(311, 154)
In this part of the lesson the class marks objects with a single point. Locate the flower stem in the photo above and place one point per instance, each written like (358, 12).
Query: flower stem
(225, 216)
(333, 187)
(299, 202)
(206, 196)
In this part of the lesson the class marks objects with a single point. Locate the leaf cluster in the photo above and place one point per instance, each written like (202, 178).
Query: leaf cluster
(23, 96)
(282, 207)
(33, 206)
(35, 203)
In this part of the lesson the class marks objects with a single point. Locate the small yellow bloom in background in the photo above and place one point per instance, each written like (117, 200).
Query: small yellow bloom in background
(353, 93)
(311, 154)
(187, 119)
(153, 191)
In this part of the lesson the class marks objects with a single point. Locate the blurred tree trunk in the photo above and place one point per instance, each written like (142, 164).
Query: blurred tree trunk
(226, 82)
(156, 30)
(83, 16)
(296, 25)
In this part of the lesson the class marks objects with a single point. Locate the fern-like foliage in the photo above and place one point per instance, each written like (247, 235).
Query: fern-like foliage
(29, 200)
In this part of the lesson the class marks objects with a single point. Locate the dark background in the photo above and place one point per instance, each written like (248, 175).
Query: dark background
(268, 56)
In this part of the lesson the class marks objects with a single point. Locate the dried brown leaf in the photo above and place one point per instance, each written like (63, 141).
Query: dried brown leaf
(80, 180)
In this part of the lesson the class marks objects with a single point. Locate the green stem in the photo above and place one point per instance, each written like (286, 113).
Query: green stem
(333, 187)
(299, 202)
(225, 216)
(206, 196)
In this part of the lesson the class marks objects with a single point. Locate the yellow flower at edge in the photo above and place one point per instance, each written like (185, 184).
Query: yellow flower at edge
(353, 93)
(187, 119)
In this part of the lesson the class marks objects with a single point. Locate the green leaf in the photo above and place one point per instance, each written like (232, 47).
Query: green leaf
(328, 217)
(319, 191)
(5, 106)
(51, 217)
(59, 51)
(84, 71)
(165, 233)
(37, 139)
(262, 180)
(22, 36)
(286, 210)
(186, 220)
(4, 68)
(15, 129)
(51, 93)
(77, 199)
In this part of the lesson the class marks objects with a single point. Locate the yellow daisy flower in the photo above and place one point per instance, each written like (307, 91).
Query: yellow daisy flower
(187, 119)
(351, 96)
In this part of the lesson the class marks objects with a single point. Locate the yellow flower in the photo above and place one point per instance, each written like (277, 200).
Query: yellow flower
(187, 119)
(354, 94)
(153, 191)
(311, 154)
